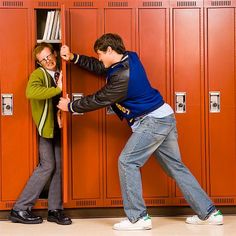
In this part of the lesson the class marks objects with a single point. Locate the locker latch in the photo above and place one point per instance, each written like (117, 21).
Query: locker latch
(180, 102)
(77, 96)
(7, 104)
(214, 101)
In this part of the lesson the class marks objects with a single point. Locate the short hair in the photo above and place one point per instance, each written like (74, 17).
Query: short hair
(39, 48)
(112, 40)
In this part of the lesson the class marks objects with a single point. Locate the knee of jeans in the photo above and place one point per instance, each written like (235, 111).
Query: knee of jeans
(122, 161)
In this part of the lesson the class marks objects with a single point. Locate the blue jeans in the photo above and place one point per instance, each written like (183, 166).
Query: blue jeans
(158, 136)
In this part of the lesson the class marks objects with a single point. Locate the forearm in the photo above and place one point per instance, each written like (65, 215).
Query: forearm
(89, 63)
(41, 93)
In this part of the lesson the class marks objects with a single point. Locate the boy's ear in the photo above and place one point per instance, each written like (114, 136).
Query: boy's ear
(109, 49)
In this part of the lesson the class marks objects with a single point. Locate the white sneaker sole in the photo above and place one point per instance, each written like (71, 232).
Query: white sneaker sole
(204, 223)
(132, 228)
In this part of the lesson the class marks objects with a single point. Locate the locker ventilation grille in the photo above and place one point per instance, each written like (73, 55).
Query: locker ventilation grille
(152, 4)
(86, 203)
(155, 202)
(48, 4)
(9, 205)
(116, 202)
(44, 204)
(182, 201)
(224, 200)
(83, 4)
(12, 4)
(186, 4)
(221, 3)
(117, 4)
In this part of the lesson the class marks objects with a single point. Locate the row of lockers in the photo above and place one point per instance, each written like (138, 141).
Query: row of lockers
(189, 56)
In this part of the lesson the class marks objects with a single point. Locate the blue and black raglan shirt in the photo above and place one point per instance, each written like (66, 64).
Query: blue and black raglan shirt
(127, 90)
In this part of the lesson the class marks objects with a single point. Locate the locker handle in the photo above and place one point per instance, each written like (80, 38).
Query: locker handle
(7, 104)
(214, 98)
(180, 102)
(77, 96)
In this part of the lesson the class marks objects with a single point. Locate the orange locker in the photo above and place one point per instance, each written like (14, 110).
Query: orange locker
(86, 129)
(153, 26)
(187, 84)
(221, 102)
(117, 133)
(188, 50)
(15, 133)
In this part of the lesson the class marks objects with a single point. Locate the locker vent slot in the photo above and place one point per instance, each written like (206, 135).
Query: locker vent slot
(155, 202)
(224, 200)
(48, 4)
(220, 3)
(186, 4)
(44, 204)
(83, 4)
(86, 203)
(117, 4)
(9, 204)
(12, 4)
(116, 202)
(152, 4)
(182, 201)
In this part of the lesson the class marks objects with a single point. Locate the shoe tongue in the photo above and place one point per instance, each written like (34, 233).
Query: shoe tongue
(217, 213)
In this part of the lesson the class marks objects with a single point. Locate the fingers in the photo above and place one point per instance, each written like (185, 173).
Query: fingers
(61, 75)
(65, 52)
(59, 119)
(63, 103)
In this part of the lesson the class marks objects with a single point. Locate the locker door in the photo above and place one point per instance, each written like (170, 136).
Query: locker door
(15, 133)
(118, 21)
(65, 151)
(220, 59)
(187, 80)
(153, 43)
(86, 129)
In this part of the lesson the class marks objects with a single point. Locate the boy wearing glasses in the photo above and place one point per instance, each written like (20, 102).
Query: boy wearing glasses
(44, 90)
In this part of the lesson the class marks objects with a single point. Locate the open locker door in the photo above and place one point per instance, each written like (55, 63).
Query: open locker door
(65, 173)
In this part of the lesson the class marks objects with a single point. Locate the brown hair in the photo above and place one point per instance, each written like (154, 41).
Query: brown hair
(112, 40)
(39, 48)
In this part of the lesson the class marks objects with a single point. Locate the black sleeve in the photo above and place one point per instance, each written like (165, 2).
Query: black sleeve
(114, 91)
(91, 64)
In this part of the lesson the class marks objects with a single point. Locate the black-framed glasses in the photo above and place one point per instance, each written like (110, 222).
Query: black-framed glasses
(46, 59)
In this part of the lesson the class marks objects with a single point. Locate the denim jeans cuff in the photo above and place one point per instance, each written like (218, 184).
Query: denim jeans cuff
(210, 210)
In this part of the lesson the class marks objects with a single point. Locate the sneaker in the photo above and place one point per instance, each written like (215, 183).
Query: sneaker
(216, 218)
(144, 223)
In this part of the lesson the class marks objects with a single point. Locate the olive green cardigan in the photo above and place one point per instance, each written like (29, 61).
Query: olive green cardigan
(40, 92)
